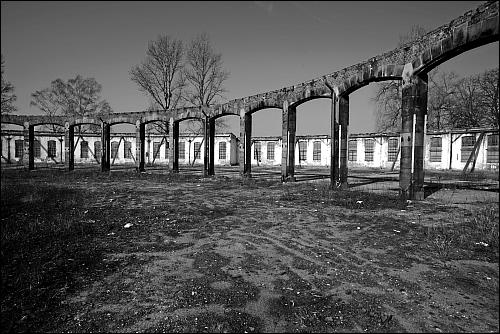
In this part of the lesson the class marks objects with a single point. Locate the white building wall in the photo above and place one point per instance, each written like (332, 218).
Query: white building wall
(380, 153)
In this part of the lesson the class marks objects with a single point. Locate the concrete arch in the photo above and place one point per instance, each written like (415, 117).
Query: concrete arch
(188, 118)
(180, 115)
(471, 30)
(84, 121)
(13, 122)
(33, 120)
(369, 73)
(47, 123)
(230, 108)
(296, 104)
(254, 110)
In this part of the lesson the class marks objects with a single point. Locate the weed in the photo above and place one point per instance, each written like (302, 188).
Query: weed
(478, 233)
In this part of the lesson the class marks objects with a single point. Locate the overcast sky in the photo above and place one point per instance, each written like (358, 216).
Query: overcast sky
(265, 46)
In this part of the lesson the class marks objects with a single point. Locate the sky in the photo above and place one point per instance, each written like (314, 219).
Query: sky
(264, 45)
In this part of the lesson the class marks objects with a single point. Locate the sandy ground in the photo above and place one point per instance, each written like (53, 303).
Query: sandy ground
(229, 255)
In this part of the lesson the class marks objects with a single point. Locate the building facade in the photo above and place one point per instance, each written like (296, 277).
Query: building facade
(452, 149)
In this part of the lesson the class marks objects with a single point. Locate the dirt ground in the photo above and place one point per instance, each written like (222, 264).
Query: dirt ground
(225, 254)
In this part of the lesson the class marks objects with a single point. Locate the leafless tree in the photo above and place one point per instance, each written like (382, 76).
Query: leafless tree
(205, 76)
(204, 73)
(160, 76)
(8, 96)
(476, 101)
(488, 83)
(78, 97)
(441, 101)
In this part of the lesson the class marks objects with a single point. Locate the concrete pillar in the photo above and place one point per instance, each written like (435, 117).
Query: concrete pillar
(173, 138)
(344, 130)
(8, 149)
(245, 147)
(140, 138)
(334, 142)
(29, 149)
(69, 146)
(414, 102)
(105, 147)
(206, 135)
(289, 126)
(211, 147)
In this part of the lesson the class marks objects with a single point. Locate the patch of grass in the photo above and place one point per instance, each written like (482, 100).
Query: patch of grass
(351, 199)
(479, 233)
(48, 248)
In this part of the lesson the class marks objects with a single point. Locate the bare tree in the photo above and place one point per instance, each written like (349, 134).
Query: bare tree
(206, 76)
(204, 72)
(47, 101)
(77, 97)
(476, 103)
(488, 83)
(160, 75)
(8, 96)
(442, 99)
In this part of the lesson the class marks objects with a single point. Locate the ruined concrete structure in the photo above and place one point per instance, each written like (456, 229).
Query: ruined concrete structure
(409, 63)
(454, 149)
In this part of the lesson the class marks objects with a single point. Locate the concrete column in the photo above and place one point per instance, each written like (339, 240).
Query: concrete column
(8, 149)
(105, 147)
(211, 147)
(29, 152)
(245, 144)
(206, 135)
(69, 146)
(174, 146)
(289, 126)
(344, 130)
(334, 142)
(414, 102)
(140, 138)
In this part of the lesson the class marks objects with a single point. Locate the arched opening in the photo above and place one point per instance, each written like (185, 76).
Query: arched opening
(225, 149)
(12, 141)
(49, 146)
(312, 140)
(266, 143)
(380, 120)
(122, 146)
(191, 144)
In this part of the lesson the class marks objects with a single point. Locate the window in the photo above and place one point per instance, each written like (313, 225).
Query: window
(127, 149)
(436, 149)
(222, 150)
(467, 147)
(369, 144)
(19, 148)
(36, 149)
(182, 150)
(270, 151)
(114, 149)
(352, 150)
(156, 150)
(167, 148)
(51, 148)
(197, 149)
(392, 152)
(256, 150)
(84, 149)
(302, 150)
(317, 151)
(98, 150)
(492, 149)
